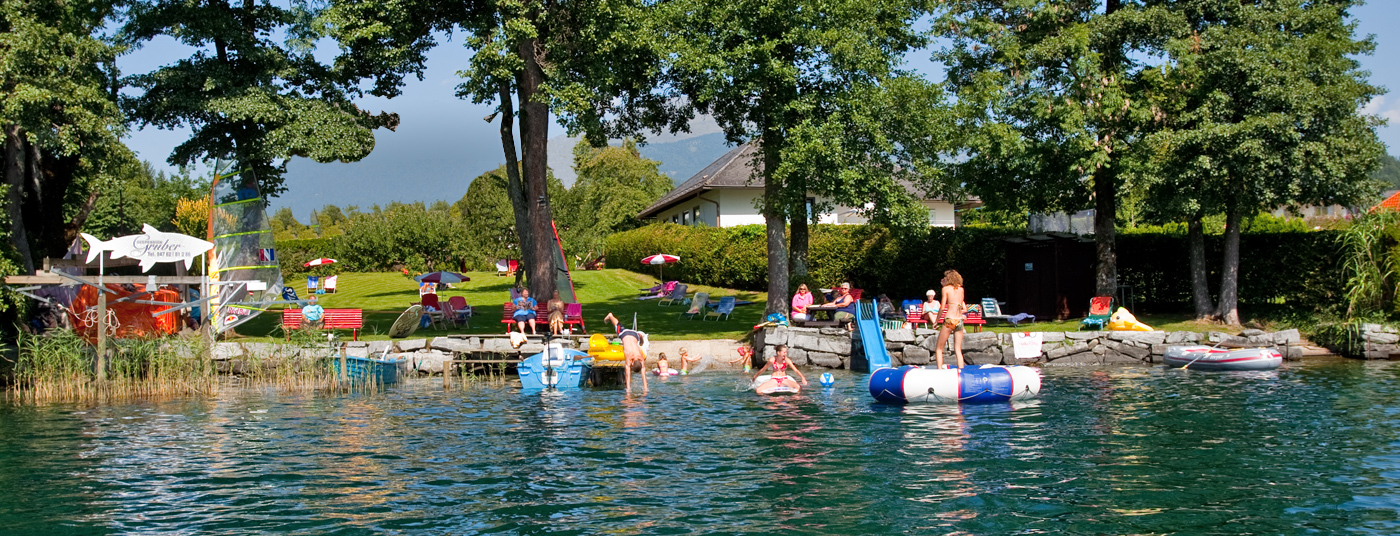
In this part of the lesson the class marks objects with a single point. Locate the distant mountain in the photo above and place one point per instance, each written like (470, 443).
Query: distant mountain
(438, 161)
(683, 159)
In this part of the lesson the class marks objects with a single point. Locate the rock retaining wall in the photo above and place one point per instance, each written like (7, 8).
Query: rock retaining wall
(831, 348)
(1378, 342)
(426, 356)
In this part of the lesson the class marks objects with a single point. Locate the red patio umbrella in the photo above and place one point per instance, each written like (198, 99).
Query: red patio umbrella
(661, 259)
(319, 262)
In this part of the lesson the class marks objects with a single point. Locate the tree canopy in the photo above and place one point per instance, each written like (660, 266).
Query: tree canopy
(614, 184)
(245, 95)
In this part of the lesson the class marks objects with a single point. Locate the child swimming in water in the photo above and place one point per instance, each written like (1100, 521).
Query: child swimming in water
(663, 368)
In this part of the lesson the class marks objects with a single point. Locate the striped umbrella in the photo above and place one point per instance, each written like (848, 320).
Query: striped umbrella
(319, 262)
(660, 260)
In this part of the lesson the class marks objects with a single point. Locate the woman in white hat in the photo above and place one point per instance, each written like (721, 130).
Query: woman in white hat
(930, 307)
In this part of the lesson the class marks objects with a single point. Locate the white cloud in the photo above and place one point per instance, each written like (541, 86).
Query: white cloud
(1388, 111)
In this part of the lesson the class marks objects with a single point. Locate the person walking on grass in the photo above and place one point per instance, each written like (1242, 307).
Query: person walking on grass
(953, 310)
(632, 341)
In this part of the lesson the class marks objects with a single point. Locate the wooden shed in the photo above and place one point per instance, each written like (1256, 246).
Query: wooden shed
(1049, 275)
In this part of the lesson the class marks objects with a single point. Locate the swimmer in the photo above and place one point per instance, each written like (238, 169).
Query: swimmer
(780, 363)
(663, 367)
(631, 351)
(744, 355)
(686, 360)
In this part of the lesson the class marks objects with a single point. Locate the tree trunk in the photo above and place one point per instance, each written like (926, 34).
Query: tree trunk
(775, 222)
(1105, 234)
(1200, 288)
(515, 189)
(797, 258)
(535, 129)
(14, 178)
(70, 231)
(1228, 312)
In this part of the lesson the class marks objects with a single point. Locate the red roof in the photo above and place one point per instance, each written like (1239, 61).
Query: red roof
(1390, 203)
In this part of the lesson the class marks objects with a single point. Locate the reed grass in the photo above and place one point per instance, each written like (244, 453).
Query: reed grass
(59, 367)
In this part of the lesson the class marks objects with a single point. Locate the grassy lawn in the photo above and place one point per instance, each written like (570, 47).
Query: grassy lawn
(1160, 322)
(383, 296)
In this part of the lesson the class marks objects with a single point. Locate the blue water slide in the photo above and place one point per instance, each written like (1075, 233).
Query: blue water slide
(871, 354)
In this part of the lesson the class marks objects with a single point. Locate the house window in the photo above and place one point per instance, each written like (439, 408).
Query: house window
(695, 216)
(811, 207)
(685, 218)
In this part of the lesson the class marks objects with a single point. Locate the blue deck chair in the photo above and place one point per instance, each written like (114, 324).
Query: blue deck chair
(725, 309)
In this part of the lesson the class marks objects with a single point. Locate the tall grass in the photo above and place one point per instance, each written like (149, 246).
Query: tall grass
(1369, 263)
(59, 367)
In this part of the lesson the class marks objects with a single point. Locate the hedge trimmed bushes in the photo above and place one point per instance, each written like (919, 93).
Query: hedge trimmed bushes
(870, 257)
(1299, 270)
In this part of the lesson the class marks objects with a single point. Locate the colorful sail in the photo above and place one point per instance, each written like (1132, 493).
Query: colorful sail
(563, 281)
(244, 276)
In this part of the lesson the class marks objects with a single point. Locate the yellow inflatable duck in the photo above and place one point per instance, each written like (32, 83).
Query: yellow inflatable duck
(1122, 320)
(599, 348)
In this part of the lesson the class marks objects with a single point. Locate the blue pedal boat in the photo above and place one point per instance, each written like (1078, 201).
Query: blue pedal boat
(555, 368)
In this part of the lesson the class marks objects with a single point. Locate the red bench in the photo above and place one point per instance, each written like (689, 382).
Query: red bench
(972, 318)
(351, 319)
(542, 316)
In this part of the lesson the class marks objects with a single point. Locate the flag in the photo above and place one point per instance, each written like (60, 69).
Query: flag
(266, 255)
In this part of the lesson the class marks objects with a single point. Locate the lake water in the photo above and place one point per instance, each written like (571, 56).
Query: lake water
(1308, 449)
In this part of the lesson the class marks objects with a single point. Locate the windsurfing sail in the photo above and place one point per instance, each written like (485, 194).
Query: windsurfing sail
(243, 273)
(563, 281)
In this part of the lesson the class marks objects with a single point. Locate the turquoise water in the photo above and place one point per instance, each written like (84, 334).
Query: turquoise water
(1307, 449)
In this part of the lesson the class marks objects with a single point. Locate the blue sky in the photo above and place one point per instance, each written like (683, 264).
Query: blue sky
(443, 142)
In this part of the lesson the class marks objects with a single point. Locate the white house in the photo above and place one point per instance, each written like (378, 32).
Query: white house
(722, 195)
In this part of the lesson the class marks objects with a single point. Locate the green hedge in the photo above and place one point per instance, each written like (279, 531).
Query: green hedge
(870, 257)
(292, 254)
(1299, 270)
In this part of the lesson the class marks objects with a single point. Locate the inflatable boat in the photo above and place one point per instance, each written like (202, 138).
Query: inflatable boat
(555, 368)
(1212, 358)
(971, 384)
(768, 385)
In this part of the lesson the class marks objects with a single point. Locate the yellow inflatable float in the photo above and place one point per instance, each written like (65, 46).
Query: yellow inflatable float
(1122, 320)
(599, 348)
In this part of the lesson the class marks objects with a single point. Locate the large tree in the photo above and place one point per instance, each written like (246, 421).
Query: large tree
(1052, 97)
(587, 62)
(1258, 107)
(59, 117)
(614, 184)
(245, 94)
(778, 73)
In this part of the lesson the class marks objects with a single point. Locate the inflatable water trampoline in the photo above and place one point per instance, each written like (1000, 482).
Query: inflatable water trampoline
(972, 384)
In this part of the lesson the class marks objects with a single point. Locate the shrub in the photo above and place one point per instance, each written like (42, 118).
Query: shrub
(1297, 270)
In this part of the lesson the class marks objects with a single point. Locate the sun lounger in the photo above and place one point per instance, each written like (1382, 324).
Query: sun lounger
(1100, 308)
(676, 295)
(725, 308)
(697, 306)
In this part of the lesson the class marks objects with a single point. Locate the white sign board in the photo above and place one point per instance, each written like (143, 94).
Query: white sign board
(1026, 345)
(150, 247)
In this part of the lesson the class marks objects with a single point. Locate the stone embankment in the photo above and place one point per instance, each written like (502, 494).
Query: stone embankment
(427, 355)
(1378, 342)
(831, 348)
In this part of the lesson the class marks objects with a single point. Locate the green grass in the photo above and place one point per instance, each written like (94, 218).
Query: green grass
(383, 296)
(1159, 322)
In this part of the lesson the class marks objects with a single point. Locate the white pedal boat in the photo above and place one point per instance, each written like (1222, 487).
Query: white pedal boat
(1211, 358)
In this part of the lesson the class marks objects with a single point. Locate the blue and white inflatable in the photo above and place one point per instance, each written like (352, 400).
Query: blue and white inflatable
(971, 384)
